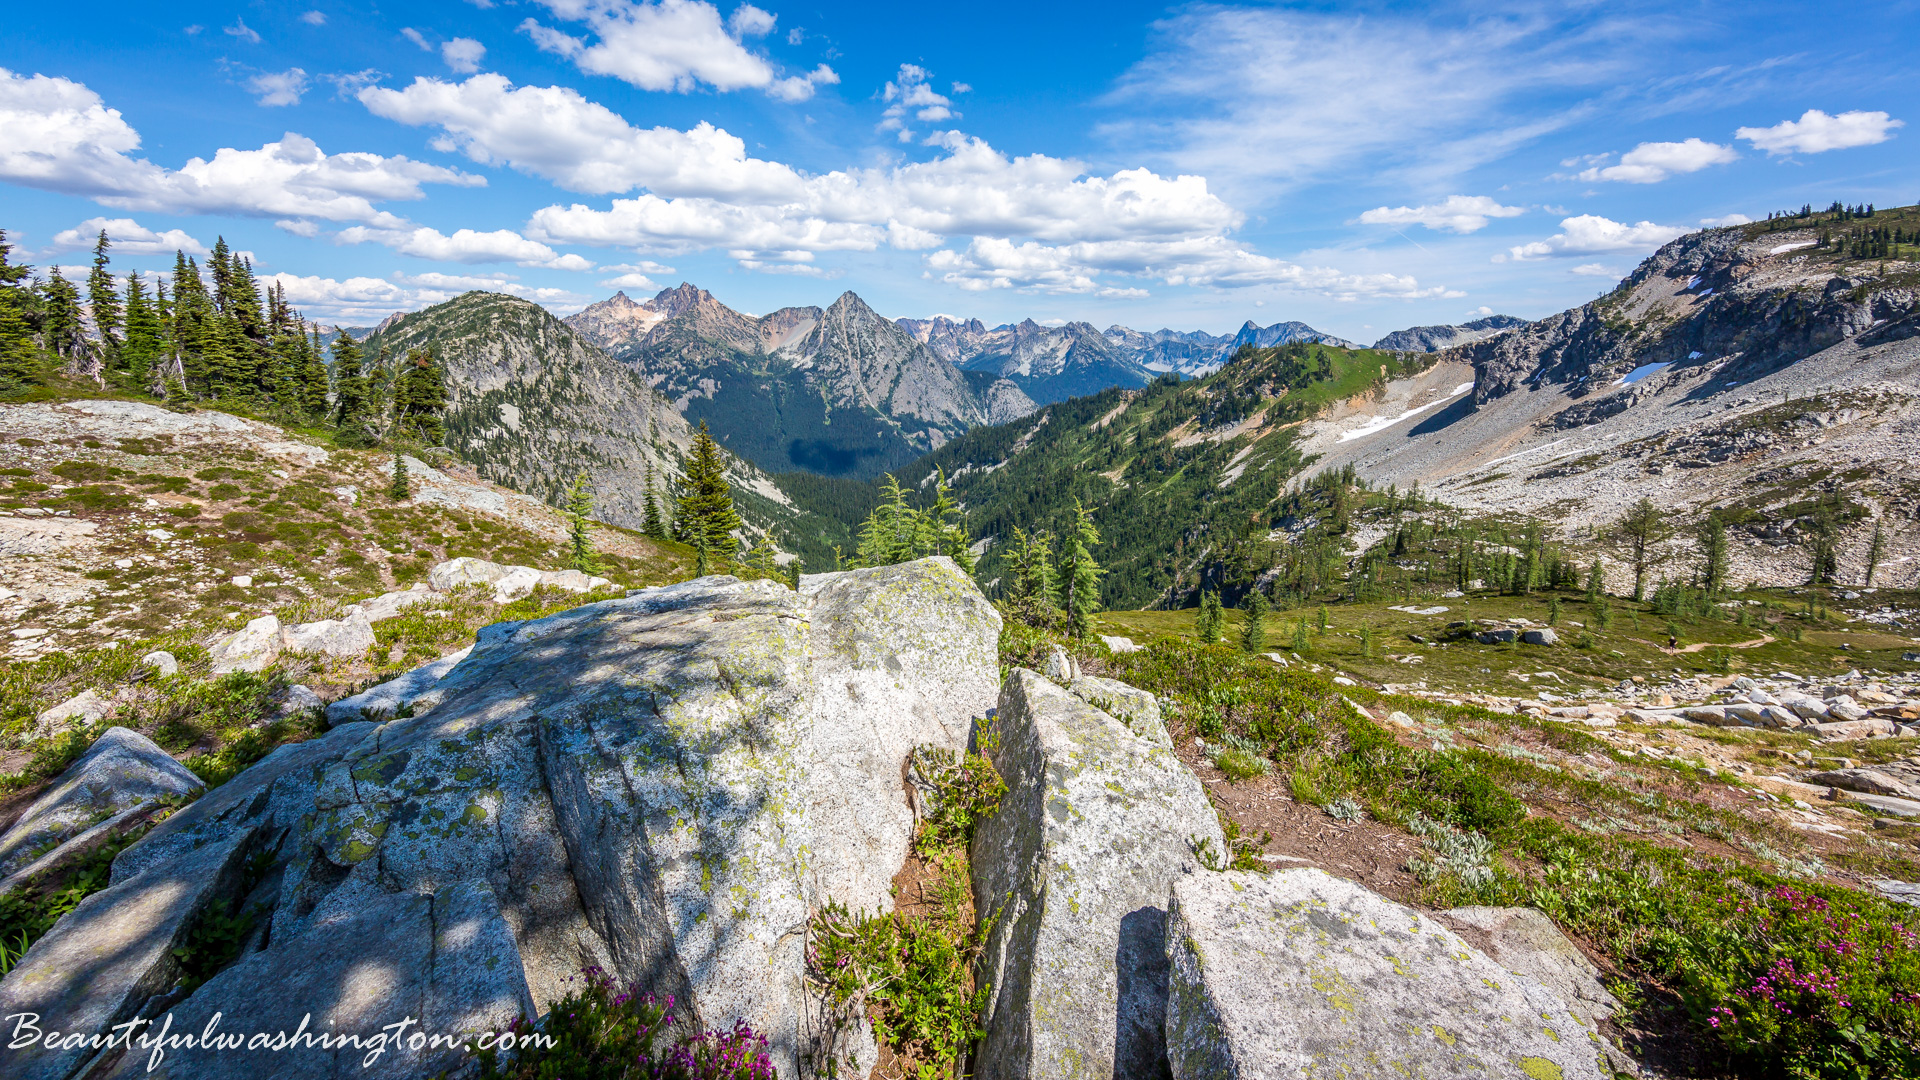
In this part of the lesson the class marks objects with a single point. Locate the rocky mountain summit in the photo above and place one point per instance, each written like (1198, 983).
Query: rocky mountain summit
(1048, 363)
(667, 786)
(1435, 338)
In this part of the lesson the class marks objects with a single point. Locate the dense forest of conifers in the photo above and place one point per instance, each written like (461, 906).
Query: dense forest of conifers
(207, 335)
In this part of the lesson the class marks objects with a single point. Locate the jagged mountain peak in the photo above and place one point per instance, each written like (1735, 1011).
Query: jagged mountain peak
(680, 298)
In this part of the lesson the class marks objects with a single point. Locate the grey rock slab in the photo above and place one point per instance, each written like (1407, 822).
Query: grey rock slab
(1074, 869)
(251, 648)
(104, 959)
(1887, 804)
(1897, 778)
(1130, 705)
(447, 961)
(81, 710)
(904, 655)
(1298, 973)
(300, 698)
(389, 698)
(1542, 636)
(1856, 729)
(1495, 637)
(1523, 940)
(123, 769)
(1117, 644)
(78, 847)
(517, 582)
(465, 570)
(387, 605)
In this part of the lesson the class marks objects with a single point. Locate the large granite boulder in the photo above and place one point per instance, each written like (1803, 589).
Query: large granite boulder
(1524, 941)
(81, 710)
(1074, 870)
(350, 637)
(1900, 779)
(251, 648)
(1297, 974)
(663, 786)
(123, 770)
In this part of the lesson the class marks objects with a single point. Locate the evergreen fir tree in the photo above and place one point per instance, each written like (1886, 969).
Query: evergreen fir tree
(349, 391)
(1876, 551)
(145, 335)
(943, 527)
(64, 337)
(1300, 635)
(1596, 580)
(193, 319)
(891, 530)
(399, 491)
(1253, 633)
(1322, 626)
(1553, 612)
(579, 504)
(313, 379)
(1713, 545)
(707, 507)
(1034, 593)
(1080, 573)
(1207, 619)
(103, 298)
(20, 362)
(651, 524)
(420, 396)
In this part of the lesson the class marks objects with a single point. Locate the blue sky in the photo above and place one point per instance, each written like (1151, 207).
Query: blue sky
(1357, 167)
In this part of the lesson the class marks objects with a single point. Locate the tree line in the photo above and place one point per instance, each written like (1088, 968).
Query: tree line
(212, 335)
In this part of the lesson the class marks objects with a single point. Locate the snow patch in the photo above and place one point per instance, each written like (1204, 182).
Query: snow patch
(1796, 246)
(1381, 423)
(1645, 370)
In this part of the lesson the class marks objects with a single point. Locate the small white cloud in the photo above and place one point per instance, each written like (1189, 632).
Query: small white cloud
(129, 238)
(1589, 270)
(750, 21)
(245, 33)
(644, 266)
(796, 35)
(801, 87)
(314, 18)
(1480, 312)
(1590, 234)
(352, 82)
(463, 55)
(629, 281)
(465, 246)
(910, 92)
(279, 88)
(962, 88)
(1652, 162)
(1721, 222)
(1459, 214)
(416, 37)
(1816, 132)
(298, 228)
(193, 31)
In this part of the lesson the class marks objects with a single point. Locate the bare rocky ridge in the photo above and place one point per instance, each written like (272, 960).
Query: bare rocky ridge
(531, 402)
(1722, 373)
(1435, 338)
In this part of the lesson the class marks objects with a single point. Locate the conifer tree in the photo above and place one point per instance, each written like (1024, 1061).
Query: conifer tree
(651, 524)
(1596, 580)
(762, 561)
(1253, 634)
(64, 339)
(1713, 545)
(103, 299)
(1643, 528)
(145, 335)
(891, 530)
(1876, 550)
(1300, 635)
(1080, 573)
(1553, 611)
(349, 391)
(20, 363)
(313, 378)
(579, 504)
(1207, 619)
(1034, 593)
(399, 491)
(420, 396)
(706, 509)
(942, 527)
(1322, 626)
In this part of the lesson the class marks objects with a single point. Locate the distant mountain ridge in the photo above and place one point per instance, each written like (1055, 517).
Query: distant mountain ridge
(1049, 363)
(840, 391)
(1435, 338)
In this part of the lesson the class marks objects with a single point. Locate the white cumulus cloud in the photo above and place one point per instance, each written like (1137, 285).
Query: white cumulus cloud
(911, 93)
(463, 55)
(1816, 132)
(241, 30)
(1458, 213)
(129, 238)
(1591, 270)
(314, 18)
(364, 301)
(466, 246)
(668, 45)
(279, 87)
(1652, 162)
(57, 135)
(1590, 234)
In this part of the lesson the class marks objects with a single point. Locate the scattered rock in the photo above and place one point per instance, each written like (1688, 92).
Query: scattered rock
(517, 582)
(1136, 708)
(387, 605)
(300, 698)
(121, 770)
(161, 663)
(1495, 637)
(244, 581)
(390, 698)
(348, 637)
(81, 710)
(1061, 666)
(1120, 644)
(1856, 729)
(1542, 636)
(465, 570)
(251, 649)
(1298, 972)
(1074, 871)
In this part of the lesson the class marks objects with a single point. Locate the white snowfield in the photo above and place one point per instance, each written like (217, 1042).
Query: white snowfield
(1382, 423)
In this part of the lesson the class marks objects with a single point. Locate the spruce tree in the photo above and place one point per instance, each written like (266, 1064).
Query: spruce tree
(579, 504)
(145, 336)
(1713, 546)
(1207, 619)
(64, 337)
(651, 524)
(420, 396)
(1080, 573)
(1553, 612)
(891, 530)
(20, 362)
(943, 527)
(1876, 551)
(313, 378)
(1643, 528)
(349, 391)
(1300, 635)
(399, 491)
(1253, 633)
(103, 298)
(1034, 593)
(1596, 580)
(706, 509)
